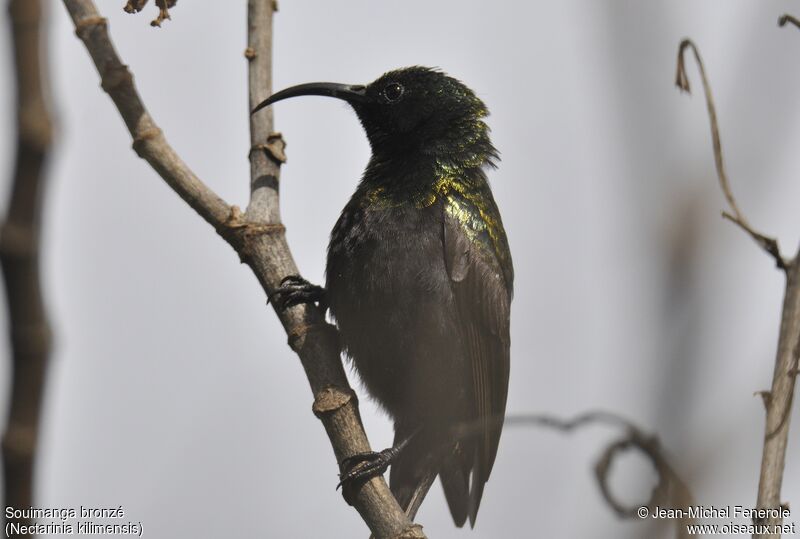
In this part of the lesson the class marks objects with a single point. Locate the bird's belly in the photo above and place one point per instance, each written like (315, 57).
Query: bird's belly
(392, 300)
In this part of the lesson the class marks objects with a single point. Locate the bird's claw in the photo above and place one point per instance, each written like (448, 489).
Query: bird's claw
(294, 290)
(365, 465)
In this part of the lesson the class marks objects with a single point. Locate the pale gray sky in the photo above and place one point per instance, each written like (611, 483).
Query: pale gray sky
(172, 390)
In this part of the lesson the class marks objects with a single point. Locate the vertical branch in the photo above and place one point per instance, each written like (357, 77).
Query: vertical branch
(266, 147)
(263, 246)
(778, 400)
(19, 254)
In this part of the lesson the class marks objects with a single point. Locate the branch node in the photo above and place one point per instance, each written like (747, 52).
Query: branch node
(83, 26)
(331, 399)
(770, 245)
(244, 229)
(297, 337)
(141, 139)
(18, 241)
(115, 75)
(20, 439)
(250, 53)
(240, 232)
(274, 148)
(235, 218)
(412, 532)
(766, 397)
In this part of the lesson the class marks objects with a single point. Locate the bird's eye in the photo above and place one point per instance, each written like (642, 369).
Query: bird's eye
(393, 92)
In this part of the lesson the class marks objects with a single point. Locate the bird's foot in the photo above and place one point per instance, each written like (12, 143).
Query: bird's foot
(364, 466)
(295, 290)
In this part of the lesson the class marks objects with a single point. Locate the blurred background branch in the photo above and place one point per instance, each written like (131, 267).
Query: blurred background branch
(670, 491)
(29, 331)
(778, 400)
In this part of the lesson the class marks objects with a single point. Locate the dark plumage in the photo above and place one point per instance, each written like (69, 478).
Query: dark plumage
(419, 280)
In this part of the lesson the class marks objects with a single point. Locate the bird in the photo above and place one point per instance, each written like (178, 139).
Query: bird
(419, 282)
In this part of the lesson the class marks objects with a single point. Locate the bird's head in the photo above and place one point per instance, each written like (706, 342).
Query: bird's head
(413, 110)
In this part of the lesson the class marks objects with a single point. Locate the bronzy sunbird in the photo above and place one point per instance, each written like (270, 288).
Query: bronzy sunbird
(419, 282)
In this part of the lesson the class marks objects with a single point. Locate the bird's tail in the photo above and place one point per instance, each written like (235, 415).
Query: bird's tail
(465, 462)
(416, 468)
(455, 481)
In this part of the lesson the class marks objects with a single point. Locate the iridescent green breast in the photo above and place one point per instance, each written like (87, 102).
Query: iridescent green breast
(467, 199)
(471, 204)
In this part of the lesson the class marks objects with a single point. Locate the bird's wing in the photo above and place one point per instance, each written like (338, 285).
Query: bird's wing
(479, 265)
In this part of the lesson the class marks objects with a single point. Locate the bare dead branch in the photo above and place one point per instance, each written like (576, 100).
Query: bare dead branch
(19, 254)
(778, 400)
(258, 237)
(770, 245)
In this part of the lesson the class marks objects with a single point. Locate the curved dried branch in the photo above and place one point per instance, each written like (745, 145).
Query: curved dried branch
(258, 237)
(19, 254)
(670, 491)
(770, 245)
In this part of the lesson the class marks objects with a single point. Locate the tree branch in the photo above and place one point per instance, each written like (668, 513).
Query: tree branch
(770, 245)
(258, 238)
(19, 254)
(778, 400)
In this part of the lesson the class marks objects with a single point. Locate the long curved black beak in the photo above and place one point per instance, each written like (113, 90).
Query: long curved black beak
(348, 92)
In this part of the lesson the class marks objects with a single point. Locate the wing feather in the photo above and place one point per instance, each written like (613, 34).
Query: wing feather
(481, 281)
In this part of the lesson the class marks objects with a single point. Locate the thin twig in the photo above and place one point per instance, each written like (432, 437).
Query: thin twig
(783, 19)
(19, 254)
(778, 400)
(258, 238)
(770, 245)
